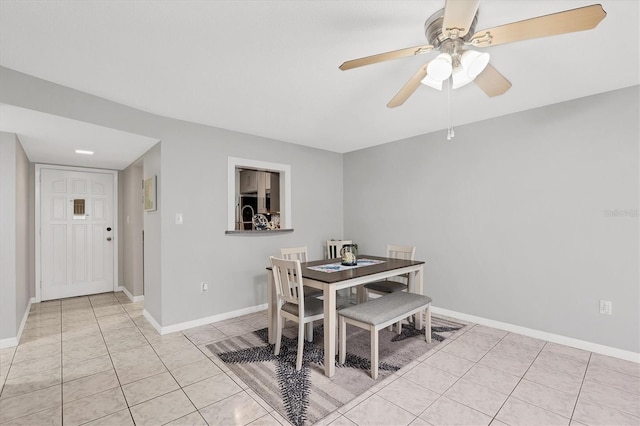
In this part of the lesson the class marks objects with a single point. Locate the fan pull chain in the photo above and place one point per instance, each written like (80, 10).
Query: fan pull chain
(450, 132)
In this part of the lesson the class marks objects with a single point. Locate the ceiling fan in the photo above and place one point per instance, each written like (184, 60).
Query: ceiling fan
(452, 30)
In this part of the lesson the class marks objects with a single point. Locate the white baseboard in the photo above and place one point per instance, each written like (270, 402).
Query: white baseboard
(152, 321)
(202, 321)
(9, 342)
(543, 335)
(13, 341)
(131, 297)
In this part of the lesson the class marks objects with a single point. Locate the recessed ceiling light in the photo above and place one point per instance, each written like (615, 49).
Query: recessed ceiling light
(82, 151)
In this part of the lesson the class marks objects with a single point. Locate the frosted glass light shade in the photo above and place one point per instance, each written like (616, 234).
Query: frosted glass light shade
(474, 62)
(436, 84)
(440, 68)
(460, 78)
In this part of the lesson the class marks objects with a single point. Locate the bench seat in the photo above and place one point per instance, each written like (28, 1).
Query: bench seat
(379, 313)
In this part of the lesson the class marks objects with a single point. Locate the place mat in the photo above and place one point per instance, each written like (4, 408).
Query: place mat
(306, 396)
(337, 267)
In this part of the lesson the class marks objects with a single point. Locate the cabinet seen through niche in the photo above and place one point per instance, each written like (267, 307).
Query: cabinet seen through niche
(258, 194)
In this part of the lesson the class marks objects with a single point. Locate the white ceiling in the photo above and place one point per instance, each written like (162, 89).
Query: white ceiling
(51, 139)
(270, 68)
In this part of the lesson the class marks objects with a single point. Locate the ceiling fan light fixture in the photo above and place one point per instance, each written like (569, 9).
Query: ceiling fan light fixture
(440, 68)
(460, 77)
(474, 62)
(428, 81)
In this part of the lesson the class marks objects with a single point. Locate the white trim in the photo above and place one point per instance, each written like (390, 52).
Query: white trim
(131, 297)
(152, 321)
(114, 173)
(543, 335)
(13, 341)
(202, 321)
(286, 221)
(9, 342)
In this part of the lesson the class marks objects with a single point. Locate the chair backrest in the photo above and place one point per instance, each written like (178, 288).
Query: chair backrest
(287, 277)
(401, 252)
(334, 246)
(294, 253)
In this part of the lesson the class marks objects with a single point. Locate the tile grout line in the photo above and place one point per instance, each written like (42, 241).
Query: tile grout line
(457, 380)
(519, 381)
(47, 387)
(584, 376)
(435, 350)
(61, 368)
(168, 371)
(110, 357)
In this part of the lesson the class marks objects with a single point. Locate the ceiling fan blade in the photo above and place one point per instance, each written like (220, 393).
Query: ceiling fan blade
(458, 16)
(492, 82)
(569, 21)
(408, 89)
(381, 57)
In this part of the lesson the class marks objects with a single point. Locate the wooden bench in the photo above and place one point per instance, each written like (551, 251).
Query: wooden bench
(378, 314)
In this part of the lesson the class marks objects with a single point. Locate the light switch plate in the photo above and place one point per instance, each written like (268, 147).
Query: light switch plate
(606, 307)
(179, 219)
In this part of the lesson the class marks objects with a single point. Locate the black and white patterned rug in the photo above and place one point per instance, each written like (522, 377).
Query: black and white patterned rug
(306, 396)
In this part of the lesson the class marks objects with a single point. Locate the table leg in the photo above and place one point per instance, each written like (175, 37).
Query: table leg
(329, 297)
(417, 287)
(360, 294)
(271, 311)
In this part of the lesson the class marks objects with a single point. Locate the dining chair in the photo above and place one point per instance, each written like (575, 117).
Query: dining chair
(334, 246)
(300, 253)
(294, 253)
(292, 303)
(333, 252)
(397, 283)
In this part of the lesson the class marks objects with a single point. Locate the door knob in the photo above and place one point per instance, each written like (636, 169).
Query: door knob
(108, 238)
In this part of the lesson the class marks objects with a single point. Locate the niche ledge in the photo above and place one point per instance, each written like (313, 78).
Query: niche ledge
(265, 232)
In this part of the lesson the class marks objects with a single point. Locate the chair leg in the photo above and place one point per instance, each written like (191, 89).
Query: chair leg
(427, 323)
(300, 345)
(374, 353)
(342, 335)
(278, 333)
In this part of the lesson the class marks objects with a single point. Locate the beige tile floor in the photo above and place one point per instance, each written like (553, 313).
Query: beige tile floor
(96, 360)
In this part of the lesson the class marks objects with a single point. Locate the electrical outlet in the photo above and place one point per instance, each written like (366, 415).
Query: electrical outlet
(606, 307)
(204, 287)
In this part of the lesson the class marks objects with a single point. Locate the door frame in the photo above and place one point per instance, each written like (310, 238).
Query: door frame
(38, 232)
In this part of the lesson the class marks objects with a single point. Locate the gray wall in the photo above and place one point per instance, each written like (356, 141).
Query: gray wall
(193, 161)
(8, 143)
(513, 216)
(153, 241)
(132, 225)
(15, 265)
(23, 227)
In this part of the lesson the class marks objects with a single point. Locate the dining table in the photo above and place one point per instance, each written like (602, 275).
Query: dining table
(329, 276)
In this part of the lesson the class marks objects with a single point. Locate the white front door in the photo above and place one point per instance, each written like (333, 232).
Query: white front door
(77, 243)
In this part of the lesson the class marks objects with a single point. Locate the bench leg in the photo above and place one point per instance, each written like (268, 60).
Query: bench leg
(342, 335)
(427, 325)
(374, 353)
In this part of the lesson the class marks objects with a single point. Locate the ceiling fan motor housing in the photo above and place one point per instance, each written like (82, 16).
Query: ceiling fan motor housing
(436, 37)
(447, 42)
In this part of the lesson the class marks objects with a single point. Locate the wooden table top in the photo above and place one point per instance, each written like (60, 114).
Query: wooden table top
(333, 277)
